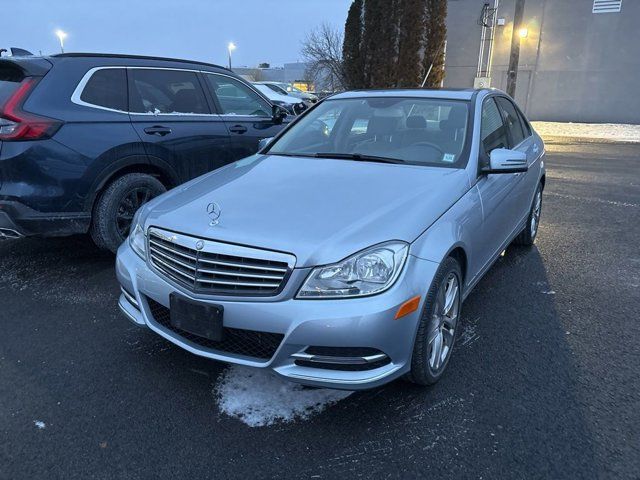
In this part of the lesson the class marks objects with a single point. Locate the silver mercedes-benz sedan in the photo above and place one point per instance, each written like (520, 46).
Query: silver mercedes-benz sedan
(339, 255)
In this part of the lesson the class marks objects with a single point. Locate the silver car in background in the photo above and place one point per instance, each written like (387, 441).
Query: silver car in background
(340, 255)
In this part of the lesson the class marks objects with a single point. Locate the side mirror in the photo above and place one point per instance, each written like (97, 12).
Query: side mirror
(502, 160)
(262, 144)
(278, 114)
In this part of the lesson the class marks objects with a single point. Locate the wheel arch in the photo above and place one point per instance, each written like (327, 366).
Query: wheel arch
(135, 164)
(460, 255)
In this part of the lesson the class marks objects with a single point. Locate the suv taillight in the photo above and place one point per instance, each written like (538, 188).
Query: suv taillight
(16, 124)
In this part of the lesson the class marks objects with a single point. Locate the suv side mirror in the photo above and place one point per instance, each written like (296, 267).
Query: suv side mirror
(262, 144)
(278, 114)
(503, 160)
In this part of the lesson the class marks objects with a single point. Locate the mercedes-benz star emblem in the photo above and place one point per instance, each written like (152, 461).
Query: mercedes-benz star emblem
(199, 245)
(214, 211)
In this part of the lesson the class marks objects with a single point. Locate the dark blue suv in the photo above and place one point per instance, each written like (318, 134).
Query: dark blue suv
(85, 139)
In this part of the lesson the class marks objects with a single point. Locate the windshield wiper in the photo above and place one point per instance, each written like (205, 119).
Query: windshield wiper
(358, 157)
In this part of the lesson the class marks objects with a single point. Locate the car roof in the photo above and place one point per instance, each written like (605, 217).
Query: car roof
(448, 94)
(134, 57)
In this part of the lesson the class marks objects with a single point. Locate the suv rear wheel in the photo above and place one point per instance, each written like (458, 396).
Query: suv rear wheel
(114, 210)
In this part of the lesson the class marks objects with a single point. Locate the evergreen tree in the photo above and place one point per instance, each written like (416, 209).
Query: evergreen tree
(352, 55)
(435, 38)
(411, 33)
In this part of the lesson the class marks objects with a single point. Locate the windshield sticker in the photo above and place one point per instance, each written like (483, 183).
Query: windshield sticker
(449, 157)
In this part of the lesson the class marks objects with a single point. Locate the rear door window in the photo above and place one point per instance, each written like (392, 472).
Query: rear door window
(493, 132)
(166, 92)
(107, 88)
(512, 121)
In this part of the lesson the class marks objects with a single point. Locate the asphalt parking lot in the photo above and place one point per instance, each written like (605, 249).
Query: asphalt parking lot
(543, 383)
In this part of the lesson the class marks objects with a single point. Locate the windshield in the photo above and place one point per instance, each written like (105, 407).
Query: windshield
(276, 88)
(422, 131)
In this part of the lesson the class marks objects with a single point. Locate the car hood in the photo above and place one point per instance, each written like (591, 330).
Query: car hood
(320, 210)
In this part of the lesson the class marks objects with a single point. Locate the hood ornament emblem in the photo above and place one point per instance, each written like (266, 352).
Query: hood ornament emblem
(199, 245)
(214, 211)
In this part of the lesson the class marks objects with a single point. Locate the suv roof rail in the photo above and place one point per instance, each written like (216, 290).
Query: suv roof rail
(136, 57)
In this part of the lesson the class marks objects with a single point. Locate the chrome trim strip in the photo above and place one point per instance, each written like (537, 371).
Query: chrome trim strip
(220, 248)
(339, 360)
(77, 93)
(130, 298)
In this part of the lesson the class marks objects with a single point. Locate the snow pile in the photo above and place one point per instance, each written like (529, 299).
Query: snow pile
(39, 424)
(258, 397)
(602, 131)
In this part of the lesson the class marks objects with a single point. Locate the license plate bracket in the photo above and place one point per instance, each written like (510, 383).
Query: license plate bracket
(197, 318)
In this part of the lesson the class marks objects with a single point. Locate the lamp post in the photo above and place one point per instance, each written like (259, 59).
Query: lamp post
(61, 36)
(231, 47)
(519, 33)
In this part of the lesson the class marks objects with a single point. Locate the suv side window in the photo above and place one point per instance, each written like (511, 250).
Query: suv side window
(235, 98)
(107, 88)
(512, 120)
(493, 133)
(166, 91)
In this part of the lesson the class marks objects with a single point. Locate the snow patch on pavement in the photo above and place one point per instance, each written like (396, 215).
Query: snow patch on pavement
(605, 131)
(39, 424)
(258, 397)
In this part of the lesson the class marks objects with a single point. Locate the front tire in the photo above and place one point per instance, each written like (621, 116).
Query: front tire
(114, 210)
(438, 325)
(528, 235)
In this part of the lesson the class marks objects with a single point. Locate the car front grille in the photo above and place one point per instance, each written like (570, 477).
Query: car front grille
(249, 343)
(210, 267)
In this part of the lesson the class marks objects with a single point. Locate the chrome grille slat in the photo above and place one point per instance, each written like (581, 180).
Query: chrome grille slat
(241, 265)
(239, 284)
(218, 268)
(191, 257)
(228, 273)
(182, 264)
(173, 269)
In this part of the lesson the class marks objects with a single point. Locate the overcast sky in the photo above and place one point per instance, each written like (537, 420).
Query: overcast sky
(263, 30)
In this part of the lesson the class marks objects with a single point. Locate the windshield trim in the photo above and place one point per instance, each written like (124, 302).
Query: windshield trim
(464, 153)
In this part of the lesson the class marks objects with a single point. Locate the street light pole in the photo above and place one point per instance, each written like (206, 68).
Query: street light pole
(514, 58)
(230, 48)
(61, 36)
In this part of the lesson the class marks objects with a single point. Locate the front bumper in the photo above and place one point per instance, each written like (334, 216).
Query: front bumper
(363, 323)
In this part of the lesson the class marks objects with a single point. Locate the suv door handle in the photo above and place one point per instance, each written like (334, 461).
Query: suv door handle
(240, 129)
(157, 130)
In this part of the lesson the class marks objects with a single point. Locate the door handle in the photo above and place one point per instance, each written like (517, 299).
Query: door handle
(157, 130)
(239, 129)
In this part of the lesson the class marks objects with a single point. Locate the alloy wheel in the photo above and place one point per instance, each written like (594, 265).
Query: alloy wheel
(128, 206)
(445, 320)
(535, 214)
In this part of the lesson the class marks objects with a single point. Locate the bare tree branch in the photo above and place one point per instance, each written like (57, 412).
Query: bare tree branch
(322, 50)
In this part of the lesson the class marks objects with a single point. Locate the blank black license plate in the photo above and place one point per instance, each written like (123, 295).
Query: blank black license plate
(202, 319)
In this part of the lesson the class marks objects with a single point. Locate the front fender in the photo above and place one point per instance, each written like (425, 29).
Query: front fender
(455, 228)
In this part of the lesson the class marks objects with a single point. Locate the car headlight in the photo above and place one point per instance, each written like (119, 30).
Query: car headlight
(366, 273)
(137, 238)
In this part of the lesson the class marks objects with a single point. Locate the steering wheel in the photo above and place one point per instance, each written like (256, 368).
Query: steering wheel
(430, 145)
(321, 126)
